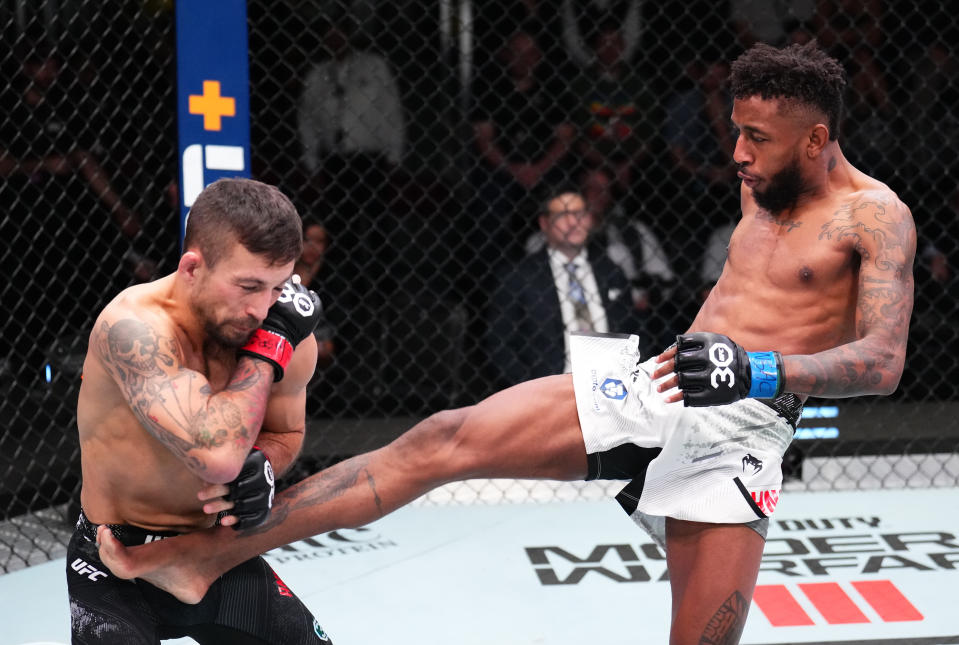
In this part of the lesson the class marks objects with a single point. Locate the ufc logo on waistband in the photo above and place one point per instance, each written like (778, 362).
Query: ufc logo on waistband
(721, 355)
(84, 568)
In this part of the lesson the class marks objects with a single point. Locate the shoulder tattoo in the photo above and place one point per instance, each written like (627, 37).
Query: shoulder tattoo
(883, 220)
(165, 396)
(133, 349)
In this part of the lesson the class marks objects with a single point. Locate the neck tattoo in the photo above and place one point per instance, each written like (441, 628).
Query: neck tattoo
(784, 225)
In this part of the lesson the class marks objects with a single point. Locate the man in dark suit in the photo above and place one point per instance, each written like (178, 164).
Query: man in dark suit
(566, 286)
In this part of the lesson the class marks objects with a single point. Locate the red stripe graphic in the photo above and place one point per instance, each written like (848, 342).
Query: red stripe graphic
(782, 610)
(833, 603)
(887, 600)
(779, 606)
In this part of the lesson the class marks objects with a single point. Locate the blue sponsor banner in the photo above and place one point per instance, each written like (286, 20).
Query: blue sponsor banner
(213, 102)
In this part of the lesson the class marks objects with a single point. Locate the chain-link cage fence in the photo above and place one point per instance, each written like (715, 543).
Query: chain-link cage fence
(87, 153)
(420, 142)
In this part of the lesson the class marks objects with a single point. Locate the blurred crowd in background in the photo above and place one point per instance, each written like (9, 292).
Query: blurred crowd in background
(476, 179)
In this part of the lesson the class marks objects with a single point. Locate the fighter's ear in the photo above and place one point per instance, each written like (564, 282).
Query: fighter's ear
(189, 263)
(818, 138)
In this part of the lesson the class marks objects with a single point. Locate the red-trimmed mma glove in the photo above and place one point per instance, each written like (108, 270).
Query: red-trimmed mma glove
(252, 491)
(713, 370)
(292, 318)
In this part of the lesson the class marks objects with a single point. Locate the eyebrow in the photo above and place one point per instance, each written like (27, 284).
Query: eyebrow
(246, 280)
(249, 279)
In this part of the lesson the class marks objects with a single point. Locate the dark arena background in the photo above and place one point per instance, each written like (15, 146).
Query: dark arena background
(390, 162)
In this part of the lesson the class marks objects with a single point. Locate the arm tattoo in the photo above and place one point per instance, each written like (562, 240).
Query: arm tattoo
(886, 224)
(726, 625)
(881, 306)
(323, 487)
(170, 405)
(850, 370)
(244, 378)
(881, 232)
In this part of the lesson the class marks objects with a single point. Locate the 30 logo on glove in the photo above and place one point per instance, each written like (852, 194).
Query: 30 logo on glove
(252, 491)
(713, 370)
(301, 299)
(721, 355)
(293, 317)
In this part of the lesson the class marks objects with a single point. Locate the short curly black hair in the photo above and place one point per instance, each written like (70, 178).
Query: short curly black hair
(804, 73)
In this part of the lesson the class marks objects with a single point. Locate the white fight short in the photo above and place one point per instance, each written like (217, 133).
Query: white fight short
(719, 464)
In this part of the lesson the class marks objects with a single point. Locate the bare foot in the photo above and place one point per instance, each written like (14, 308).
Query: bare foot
(158, 563)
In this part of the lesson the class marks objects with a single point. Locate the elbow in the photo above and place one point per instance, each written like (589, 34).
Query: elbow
(219, 469)
(888, 385)
(892, 364)
(220, 476)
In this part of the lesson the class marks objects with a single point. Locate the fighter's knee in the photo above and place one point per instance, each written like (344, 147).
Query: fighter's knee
(433, 434)
(446, 423)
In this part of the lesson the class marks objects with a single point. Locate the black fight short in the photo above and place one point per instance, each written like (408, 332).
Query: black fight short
(249, 605)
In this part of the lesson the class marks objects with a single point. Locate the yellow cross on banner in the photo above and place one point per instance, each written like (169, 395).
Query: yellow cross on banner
(211, 105)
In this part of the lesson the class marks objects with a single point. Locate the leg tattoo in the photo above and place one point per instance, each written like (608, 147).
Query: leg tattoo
(726, 625)
(376, 496)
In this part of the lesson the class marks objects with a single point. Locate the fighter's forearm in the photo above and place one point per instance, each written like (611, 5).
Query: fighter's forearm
(210, 432)
(853, 369)
(282, 448)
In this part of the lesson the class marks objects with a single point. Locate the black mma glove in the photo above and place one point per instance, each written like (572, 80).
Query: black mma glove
(292, 318)
(714, 370)
(252, 491)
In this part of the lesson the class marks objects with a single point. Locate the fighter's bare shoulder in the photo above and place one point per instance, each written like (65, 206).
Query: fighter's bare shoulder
(879, 199)
(134, 318)
(871, 213)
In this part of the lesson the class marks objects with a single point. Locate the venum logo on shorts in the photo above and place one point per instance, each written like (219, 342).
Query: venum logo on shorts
(613, 389)
(752, 462)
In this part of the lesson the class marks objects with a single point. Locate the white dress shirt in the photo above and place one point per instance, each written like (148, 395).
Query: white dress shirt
(351, 105)
(584, 272)
(654, 259)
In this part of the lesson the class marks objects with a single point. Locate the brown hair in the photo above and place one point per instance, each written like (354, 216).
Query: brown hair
(256, 215)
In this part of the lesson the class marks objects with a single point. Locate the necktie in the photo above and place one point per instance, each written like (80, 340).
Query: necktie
(583, 320)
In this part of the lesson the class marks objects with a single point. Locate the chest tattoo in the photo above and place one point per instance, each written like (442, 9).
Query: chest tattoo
(785, 226)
